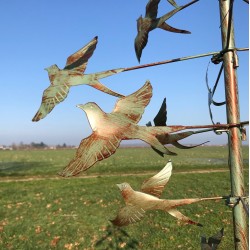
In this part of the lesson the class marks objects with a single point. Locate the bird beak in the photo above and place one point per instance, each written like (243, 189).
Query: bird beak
(81, 106)
(119, 185)
(46, 69)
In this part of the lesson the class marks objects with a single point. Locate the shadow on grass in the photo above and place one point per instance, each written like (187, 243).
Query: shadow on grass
(20, 168)
(116, 238)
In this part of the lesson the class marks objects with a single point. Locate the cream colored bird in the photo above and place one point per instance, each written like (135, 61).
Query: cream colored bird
(148, 198)
(109, 129)
(72, 75)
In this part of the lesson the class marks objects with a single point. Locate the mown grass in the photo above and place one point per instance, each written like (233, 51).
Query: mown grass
(50, 162)
(74, 213)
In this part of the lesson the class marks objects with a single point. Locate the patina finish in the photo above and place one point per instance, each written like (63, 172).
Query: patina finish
(148, 198)
(151, 22)
(62, 79)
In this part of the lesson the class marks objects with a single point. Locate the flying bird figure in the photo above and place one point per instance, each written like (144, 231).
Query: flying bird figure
(151, 22)
(62, 79)
(213, 242)
(148, 198)
(109, 129)
(161, 120)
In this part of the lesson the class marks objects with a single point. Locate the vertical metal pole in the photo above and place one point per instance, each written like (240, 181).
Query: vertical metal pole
(234, 136)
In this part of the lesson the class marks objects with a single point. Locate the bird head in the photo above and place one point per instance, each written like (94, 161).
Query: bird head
(52, 69)
(93, 112)
(90, 106)
(123, 186)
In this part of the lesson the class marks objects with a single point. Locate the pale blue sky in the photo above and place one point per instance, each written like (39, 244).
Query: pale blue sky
(37, 34)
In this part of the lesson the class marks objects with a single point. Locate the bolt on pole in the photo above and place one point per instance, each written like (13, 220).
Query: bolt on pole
(233, 116)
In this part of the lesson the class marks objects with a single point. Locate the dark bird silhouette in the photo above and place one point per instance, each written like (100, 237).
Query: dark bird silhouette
(148, 198)
(72, 75)
(151, 22)
(161, 120)
(213, 241)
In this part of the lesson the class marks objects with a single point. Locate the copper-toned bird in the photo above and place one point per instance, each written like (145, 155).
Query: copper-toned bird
(213, 241)
(161, 120)
(109, 129)
(151, 22)
(62, 79)
(148, 198)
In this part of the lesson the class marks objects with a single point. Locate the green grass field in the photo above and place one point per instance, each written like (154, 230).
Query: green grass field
(40, 211)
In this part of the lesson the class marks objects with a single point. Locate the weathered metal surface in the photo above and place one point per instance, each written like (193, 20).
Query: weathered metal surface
(109, 129)
(173, 3)
(161, 120)
(211, 93)
(213, 242)
(148, 198)
(151, 22)
(179, 59)
(233, 116)
(72, 75)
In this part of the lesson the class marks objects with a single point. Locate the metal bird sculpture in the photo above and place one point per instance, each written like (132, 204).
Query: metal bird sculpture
(109, 129)
(161, 120)
(62, 79)
(213, 241)
(148, 198)
(151, 22)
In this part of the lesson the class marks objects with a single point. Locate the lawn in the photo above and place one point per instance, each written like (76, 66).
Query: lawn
(74, 213)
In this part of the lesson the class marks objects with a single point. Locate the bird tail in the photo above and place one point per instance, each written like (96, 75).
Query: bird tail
(169, 28)
(183, 218)
(148, 135)
(97, 85)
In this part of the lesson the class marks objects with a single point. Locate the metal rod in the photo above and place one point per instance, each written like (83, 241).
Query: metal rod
(213, 126)
(178, 59)
(234, 136)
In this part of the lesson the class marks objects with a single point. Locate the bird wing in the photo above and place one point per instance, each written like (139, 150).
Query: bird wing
(155, 185)
(215, 240)
(152, 8)
(140, 42)
(169, 28)
(161, 117)
(51, 97)
(91, 149)
(173, 3)
(78, 61)
(132, 106)
(173, 12)
(182, 217)
(127, 215)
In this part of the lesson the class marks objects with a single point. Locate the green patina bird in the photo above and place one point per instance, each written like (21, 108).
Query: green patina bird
(72, 75)
(151, 22)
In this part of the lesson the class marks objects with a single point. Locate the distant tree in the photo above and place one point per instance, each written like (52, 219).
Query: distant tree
(38, 145)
